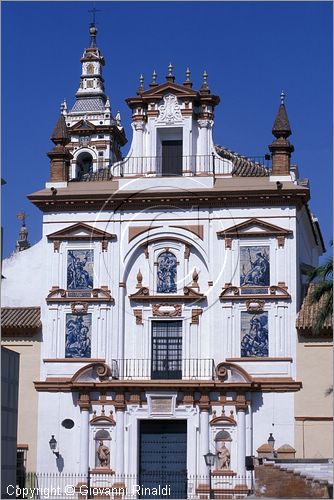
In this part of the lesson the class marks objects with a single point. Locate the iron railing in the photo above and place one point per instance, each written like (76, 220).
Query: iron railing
(158, 166)
(131, 486)
(145, 369)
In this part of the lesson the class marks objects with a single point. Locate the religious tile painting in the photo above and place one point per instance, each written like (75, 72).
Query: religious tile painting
(254, 334)
(254, 266)
(80, 269)
(78, 336)
(166, 273)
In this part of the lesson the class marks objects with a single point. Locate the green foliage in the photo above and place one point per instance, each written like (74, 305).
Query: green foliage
(323, 290)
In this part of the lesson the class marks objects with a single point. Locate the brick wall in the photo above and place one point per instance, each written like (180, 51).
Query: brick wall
(271, 481)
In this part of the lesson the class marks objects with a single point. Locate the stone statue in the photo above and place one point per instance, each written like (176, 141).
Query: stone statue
(103, 454)
(223, 457)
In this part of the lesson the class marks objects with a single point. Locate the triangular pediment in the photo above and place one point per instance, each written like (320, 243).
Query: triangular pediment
(83, 125)
(80, 231)
(253, 227)
(169, 87)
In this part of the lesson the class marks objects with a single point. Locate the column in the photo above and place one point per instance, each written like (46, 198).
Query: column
(241, 437)
(139, 167)
(204, 407)
(119, 459)
(84, 405)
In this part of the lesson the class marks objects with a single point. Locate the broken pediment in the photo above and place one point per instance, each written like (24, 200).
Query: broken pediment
(230, 373)
(94, 372)
(254, 228)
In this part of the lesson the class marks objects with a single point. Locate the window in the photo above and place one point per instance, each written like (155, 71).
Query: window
(166, 272)
(254, 334)
(166, 349)
(78, 336)
(84, 164)
(80, 269)
(171, 163)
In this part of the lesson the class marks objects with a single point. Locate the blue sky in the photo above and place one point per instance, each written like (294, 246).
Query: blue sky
(251, 51)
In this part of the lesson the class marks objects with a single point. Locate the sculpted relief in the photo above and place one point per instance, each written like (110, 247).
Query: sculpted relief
(169, 111)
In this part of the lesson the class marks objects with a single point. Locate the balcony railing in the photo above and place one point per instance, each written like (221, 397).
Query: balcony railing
(177, 369)
(157, 166)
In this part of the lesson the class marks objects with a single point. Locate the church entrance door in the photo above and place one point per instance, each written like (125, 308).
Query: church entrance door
(163, 458)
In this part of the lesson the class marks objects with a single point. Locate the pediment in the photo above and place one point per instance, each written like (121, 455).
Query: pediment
(254, 228)
(93, 372)
(80, 231)
(83, 125)
(169, 87)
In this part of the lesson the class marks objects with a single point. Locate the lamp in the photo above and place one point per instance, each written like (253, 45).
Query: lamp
(271, 440)
(209, 462)
(53, 445)
(210, 459)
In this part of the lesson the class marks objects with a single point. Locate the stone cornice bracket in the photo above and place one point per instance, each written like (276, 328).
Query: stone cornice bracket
(138, 313)
(195, 315)
(241, 403)
(204, 403)
(119, 402)
(84, 401)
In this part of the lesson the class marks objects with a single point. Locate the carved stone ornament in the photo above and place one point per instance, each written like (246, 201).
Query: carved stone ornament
(79, 307)
(167, 310)
(169, 111)
(139, 316)
(195, 314)
(56, 245)
(255, 305)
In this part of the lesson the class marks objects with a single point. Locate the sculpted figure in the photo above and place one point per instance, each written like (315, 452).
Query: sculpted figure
(103, 454)
(223, 457)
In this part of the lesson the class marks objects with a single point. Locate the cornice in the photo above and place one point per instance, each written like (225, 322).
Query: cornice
(118, 201)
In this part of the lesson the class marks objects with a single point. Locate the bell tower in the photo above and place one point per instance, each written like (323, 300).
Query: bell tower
(95, 135)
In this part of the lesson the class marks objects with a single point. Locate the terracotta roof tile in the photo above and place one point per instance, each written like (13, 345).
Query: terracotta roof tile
(308, 313)
(242, 166)
(20, 318)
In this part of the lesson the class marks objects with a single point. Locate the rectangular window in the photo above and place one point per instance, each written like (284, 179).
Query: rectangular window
(171, 158)
(254, 266)
(166, 349)
(254, 334)
(78, 336)
(80, 269)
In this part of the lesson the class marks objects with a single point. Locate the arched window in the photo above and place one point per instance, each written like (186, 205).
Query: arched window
(166, 273)
(84, 164)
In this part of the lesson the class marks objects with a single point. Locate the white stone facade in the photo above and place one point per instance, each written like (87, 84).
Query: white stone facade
(217, 388)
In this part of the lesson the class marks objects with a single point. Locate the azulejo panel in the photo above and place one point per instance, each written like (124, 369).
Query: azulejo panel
(254, 266)
(254, 334)
(166, 273)
(80, 269)
(78, 336)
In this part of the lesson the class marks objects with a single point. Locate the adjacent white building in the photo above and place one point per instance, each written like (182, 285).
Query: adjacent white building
(169, 283)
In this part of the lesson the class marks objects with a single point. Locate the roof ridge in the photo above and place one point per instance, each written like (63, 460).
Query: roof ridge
(243, 165)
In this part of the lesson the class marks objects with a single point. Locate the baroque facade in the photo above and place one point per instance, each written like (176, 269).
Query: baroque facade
(171, 283)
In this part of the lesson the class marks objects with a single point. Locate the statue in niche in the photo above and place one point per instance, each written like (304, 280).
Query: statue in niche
(224, 457)
(103, 454)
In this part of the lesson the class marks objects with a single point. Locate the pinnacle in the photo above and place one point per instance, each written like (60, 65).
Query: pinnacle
(60, 134)
(281, 127)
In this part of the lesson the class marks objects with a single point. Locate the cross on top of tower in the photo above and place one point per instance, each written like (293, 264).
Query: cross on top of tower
(93, 28)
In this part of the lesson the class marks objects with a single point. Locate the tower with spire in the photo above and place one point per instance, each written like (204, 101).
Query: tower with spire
(95, 136)
(281, 148)
(22, 243)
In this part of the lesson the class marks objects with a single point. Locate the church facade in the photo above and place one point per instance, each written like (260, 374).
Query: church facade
(171, 283)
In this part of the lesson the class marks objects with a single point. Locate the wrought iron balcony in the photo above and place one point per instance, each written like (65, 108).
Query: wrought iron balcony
(159, 166)
(163, 369)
